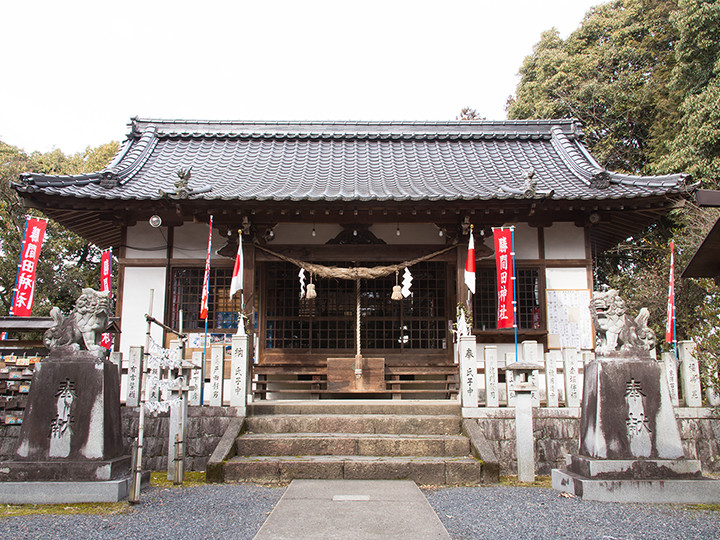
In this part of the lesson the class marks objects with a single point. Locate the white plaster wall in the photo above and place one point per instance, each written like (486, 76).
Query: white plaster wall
(567, 278)
(136, 301)
(146, 242)
(190, 242)
(526, 242)
(564, 241)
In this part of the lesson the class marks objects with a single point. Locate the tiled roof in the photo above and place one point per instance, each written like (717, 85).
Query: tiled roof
(363, 161)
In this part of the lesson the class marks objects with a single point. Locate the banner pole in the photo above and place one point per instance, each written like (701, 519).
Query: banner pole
(206, 295)
(515, 321)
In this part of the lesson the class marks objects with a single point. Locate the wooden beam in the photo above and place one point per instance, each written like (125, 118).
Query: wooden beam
(708, 197)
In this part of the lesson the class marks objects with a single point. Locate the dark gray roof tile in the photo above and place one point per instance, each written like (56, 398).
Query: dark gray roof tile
(354, 161)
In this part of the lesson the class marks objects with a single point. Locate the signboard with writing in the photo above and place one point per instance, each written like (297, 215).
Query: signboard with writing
(568, 316)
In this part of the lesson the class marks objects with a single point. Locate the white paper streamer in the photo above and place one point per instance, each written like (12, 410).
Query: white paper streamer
(155, 407)
(160, 357)
(406, 283)
(301, 275)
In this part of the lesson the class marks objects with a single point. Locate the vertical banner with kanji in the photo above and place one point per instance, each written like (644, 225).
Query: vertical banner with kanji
(24, 291)
(106, 285)
(206, 279)
(670, 322)
(504, 265)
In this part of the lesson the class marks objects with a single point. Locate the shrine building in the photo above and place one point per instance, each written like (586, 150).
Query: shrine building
(354, 195)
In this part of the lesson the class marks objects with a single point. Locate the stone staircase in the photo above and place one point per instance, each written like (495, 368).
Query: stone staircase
(340, 439)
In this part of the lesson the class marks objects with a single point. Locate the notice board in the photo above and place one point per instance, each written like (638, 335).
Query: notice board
(568, 316)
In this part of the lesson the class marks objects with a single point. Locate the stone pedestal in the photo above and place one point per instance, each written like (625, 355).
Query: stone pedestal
(71, 434)
(630, 447)
(238, 372)
(468, 371)
(524, 387)
(627, 412)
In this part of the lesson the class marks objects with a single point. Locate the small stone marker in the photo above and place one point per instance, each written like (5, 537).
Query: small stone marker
(492, 398)
(529, 356)
(134, 376)
(153, 390)
(195, 379)
(509, 361)
(238, 372)
(670, 372)
(552, 359)
(468, 371)
(216, 375)
(690, 374)
(572, 378)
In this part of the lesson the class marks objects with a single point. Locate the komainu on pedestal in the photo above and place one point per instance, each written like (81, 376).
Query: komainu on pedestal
(630, 448)
(70, 447)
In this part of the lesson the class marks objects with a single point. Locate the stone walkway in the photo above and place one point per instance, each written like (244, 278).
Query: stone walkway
(359, 509)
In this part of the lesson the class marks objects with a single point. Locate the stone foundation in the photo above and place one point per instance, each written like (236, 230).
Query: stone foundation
(556, 432)
(555, 429)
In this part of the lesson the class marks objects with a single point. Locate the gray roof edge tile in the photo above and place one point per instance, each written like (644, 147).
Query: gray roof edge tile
(517, 128)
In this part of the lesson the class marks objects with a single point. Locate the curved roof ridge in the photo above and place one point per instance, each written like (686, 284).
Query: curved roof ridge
(340, 129)
(137, 157)
(571, 155)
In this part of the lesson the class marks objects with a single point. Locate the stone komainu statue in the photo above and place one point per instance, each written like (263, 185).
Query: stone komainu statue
(617, 332)
(83, 326)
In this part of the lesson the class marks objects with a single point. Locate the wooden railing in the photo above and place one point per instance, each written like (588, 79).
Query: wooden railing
(297, 382)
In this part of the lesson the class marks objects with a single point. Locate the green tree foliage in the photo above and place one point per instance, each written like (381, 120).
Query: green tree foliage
(67, 262)
(643, 77)
(611, 73)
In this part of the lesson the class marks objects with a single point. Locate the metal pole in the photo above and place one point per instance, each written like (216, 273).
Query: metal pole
(515, 310)
(137, 475)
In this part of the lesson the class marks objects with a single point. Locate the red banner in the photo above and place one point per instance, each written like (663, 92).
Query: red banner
(669, 322)
(24, 292)
(106, 285)
(206, 279)
(504, 265)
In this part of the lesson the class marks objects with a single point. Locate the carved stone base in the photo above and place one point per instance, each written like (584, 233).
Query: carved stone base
(627, 412)
(636, 481)
(73, 411)
(56, 471)
(68, 492)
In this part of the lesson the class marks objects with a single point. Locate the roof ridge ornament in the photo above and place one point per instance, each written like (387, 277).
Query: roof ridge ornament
(529, 188)
(109, 179)
(600, 180)
(182, 187)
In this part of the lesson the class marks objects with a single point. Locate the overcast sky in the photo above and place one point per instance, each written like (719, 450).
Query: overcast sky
(74, 72)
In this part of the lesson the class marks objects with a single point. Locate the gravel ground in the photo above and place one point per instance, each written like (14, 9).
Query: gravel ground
(238, 511)
(537, 513)
(211, 511)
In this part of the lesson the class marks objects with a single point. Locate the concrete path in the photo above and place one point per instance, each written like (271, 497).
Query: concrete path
(357, 509)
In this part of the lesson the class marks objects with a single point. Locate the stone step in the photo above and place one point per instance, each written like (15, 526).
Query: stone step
(356, 444)
(362, 423)
(355, 406)
(425, 470)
